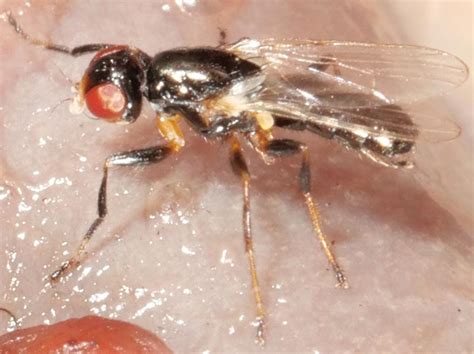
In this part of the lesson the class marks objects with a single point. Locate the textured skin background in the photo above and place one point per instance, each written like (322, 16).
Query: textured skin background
(170, 256)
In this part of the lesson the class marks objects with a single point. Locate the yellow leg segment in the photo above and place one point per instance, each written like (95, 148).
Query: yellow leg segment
(316, 220)
(240, 168)
(170, 130)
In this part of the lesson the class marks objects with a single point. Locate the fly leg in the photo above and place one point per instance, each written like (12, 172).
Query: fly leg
(286, 147)
(239, 167)
(76, 51)
(129, 158)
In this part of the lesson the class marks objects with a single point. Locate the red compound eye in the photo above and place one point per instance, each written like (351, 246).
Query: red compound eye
(106, 101)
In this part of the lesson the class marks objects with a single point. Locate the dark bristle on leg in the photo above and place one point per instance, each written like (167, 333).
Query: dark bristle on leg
(222, 36)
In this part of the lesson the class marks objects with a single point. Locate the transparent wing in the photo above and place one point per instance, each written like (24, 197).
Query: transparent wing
(391, 121)
(396, 74)
(350, 85)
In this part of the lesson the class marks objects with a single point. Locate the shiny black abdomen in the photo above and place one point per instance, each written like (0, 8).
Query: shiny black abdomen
(190, 75)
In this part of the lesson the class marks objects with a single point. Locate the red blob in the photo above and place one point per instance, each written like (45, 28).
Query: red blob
(89, 334)
(106, 101)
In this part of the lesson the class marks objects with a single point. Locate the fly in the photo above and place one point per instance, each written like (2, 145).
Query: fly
(347, 91)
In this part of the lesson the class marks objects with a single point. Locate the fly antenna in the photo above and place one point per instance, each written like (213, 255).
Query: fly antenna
(76, 51)
(8, 17)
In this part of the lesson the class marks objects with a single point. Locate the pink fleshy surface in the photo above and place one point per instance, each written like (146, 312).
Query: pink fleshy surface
(89, 334)
(170, 257)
